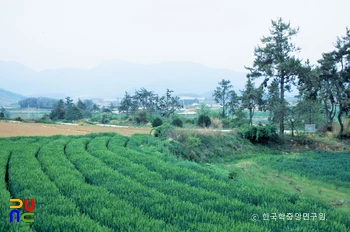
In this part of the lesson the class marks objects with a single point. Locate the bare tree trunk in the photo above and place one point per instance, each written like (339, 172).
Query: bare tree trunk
(282, 106)
(250, 116)
(340, 122)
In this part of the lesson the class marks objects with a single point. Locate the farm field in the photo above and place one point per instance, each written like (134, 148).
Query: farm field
(110, 182)
(9, 129)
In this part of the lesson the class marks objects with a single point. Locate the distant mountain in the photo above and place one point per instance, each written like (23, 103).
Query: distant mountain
(113, 78)
(8, 98)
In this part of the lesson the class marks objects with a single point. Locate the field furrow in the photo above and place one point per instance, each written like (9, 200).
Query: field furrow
(209, 200)
(176, 212)
(94, 201)
(262, 197)
(52, 210)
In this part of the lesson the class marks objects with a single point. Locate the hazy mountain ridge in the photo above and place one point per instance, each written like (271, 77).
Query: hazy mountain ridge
(113, 78)
(8, 98)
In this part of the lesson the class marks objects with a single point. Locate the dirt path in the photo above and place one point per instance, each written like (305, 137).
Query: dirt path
(10, 129)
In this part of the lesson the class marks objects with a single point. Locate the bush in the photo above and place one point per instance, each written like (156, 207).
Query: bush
(241, 119)
(226, 123)
(157, 122)
(260, 134)
(177, 122)
(163, 131)
(141, 117)
(19, 119)
(105, 118)
(232, 175)
(204, 121)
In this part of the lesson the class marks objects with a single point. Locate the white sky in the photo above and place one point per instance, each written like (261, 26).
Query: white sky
(47, 34)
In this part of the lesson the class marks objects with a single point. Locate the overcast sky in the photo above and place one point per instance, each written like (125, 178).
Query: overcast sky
(46, 34)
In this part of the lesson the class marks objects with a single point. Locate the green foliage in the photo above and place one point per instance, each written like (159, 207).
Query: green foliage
(260, 133)
(40, 102)
(157, 122)
(70, 111)
(190, 121)
(276, 62)
(141, 117)
(232, 175)
(59, 111)
(168, 104)
(147, 189)
(251, 98)
(240, 119)
(2, 113)
(203, 109)
(19, 119)
(226, 123)
(334, 80)
(163, 131)
(177, 122)
(105, 118)
(204, 121)
(321, 166)
(151, 103)
(225, 96)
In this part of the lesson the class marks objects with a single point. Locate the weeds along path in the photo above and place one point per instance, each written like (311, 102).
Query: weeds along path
(94, 201)
(52, 210)
(170, 209)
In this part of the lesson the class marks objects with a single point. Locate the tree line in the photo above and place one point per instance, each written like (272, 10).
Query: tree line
(323, 88)
(150, 102)
(38, 102)
(69, 111)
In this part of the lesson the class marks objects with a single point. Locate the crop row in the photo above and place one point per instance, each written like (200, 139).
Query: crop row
(93, 201)
(269, 200)
(5, 154)
(171, 209)
(112, 183)
(52, 211)
(209, 200)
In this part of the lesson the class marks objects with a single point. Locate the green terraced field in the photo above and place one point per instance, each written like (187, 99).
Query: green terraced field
(108, 182)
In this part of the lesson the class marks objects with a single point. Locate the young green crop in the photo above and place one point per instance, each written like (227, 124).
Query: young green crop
(94, 201)
(108, 182)
(176, 212)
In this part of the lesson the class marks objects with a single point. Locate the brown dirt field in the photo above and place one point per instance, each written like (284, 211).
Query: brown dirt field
(11, 129)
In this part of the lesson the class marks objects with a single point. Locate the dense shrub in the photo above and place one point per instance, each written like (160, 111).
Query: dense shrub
(204, 121)
(260, 134)
(157, 122)
(177, 122)
(226, 123)
(163, 131)
(141, 117)
(105, 118)
(19, 119)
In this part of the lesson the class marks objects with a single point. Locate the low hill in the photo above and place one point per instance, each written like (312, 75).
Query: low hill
(8, 98)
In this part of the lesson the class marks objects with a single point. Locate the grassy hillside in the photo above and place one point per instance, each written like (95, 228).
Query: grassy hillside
(108, 182)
